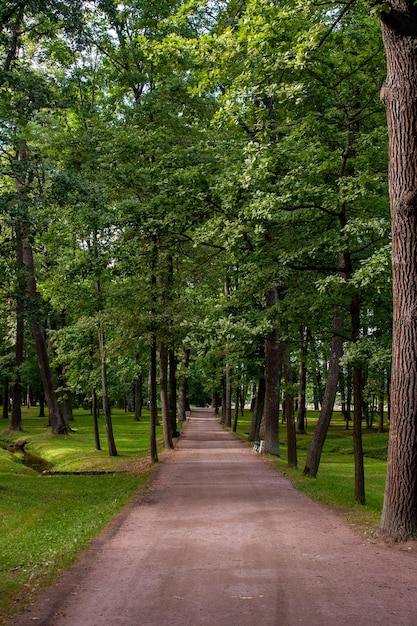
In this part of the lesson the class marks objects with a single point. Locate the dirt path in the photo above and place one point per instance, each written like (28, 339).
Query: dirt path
(222, 539)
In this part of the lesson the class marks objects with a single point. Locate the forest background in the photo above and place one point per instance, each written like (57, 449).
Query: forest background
(196, 190)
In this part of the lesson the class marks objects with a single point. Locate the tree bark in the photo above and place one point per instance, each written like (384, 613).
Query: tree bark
(6, 401)
(56, 420)
(95, 411)
(111, 445)
(357, 415)
(163, 382)
(272, 381)
(357, 436)
(399, 94)
(302, 370)
(16, 413)
(381, 428)
(228, 396)
(236, 412)
(320, 432)
(172, 391)
(257, 411)
(289, 407)
(183, 385)
(153, 404)
(138, 398)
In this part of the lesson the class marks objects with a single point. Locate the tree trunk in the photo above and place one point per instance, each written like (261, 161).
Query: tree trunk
(183, 386)
(153, 404)
(6, 401)
(228, 396)
(236, 413)
(320, 432)
(301, 410)
(16, 413)
(172, 393)
(381, 394)
(344, 271)
(138, 398)
(56, 421)
(318, 386)
(272, 381)
(399, 94)
(105, 396)
(357, 436)
(357, 415)
(41, 404)
(64, 396)
(289, 407)
(163, 382)
(257, 411)
(95, 411)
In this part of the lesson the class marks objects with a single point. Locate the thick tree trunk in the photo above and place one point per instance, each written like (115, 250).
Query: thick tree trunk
(163, 383)
(272, 383)
(320, 432)
(399, 94)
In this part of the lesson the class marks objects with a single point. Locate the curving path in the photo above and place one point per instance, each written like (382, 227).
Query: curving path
(222, 539)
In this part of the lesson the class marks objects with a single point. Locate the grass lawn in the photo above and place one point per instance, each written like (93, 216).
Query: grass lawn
(46, 520)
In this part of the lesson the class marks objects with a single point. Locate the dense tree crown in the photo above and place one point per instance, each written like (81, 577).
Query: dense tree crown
(194, 195)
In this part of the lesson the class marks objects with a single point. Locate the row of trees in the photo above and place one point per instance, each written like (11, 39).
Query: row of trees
(198, 188)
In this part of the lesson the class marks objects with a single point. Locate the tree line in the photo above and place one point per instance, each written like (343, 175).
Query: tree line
(197, 193)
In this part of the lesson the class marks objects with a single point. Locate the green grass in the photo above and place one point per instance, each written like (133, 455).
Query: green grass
(46, 520)
(334, 484)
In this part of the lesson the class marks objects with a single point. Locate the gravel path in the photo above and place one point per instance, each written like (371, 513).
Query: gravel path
(222, 539)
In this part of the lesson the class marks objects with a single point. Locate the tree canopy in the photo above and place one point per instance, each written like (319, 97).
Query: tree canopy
(203, 181)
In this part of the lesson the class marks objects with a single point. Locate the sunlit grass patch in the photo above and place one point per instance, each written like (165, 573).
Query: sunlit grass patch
(46, 520)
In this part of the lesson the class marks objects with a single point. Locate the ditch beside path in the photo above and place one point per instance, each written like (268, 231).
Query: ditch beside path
(221, 539)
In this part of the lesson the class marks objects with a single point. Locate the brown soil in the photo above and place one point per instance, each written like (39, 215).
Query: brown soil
(222, 539)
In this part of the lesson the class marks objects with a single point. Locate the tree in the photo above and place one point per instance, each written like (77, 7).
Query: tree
(399, 94)
(26, 30)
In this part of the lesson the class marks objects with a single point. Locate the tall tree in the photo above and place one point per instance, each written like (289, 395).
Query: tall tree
(399, 94)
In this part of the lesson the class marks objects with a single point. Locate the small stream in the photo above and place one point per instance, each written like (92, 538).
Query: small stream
(35, 462)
